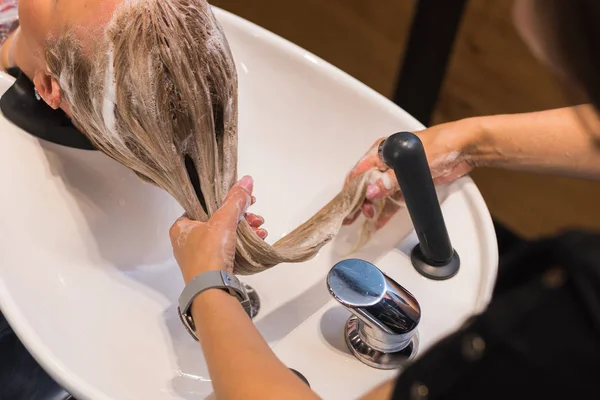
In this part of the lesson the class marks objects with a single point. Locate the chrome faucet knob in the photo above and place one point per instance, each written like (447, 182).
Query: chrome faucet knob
(382, 332)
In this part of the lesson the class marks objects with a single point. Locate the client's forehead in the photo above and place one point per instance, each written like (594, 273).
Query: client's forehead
(86, 12)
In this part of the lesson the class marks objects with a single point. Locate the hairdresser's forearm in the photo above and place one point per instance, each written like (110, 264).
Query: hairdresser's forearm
(554, 141)
(240, 362)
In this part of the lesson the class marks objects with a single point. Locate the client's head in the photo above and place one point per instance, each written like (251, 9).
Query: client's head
(154, 87)
(40, 20)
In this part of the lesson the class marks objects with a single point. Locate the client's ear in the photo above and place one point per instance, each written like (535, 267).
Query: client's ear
(48, 89)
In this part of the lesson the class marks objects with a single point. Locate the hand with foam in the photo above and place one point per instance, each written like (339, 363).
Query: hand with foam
(206, 246)
(447, 147)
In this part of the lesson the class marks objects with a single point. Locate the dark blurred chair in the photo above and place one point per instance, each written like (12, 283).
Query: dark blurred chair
(431, 39)
(21, 378)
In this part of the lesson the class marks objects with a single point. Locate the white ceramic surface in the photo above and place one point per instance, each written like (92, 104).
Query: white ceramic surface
(87, 278)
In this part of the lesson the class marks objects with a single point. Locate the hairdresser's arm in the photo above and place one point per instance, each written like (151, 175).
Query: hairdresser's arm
(242, 366)
(258, 372)
(563, 141)
(240, 362)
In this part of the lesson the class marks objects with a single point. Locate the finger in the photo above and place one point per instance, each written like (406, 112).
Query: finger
(369, 161)
(254, 220)
(387, 184)
(373, 191)
(352, 217)
(397, 198)
(235, 205)
(363, 166)
(389, 210)
(368, 209)
(246, 184)
(262, 233)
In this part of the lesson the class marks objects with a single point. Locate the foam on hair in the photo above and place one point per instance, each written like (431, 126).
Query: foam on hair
(159, 91)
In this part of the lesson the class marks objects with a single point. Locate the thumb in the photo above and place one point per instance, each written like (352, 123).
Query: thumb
(235, 205)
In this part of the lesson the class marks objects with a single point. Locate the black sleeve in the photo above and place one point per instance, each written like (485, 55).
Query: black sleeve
(539, 337)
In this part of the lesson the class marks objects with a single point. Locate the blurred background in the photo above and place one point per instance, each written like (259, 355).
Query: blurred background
(490, 72)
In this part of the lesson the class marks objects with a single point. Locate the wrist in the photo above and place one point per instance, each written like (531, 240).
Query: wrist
(209, 298)
(474, 140)
(191, 273)
(203, 288)
(201, 263)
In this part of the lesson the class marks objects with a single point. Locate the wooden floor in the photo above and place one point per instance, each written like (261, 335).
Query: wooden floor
(491, 72)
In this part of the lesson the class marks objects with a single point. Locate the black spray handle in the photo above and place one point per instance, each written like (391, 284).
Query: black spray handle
(434, 256)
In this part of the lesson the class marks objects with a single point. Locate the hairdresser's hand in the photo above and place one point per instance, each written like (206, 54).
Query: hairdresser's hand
(447, 149)
(208, 246)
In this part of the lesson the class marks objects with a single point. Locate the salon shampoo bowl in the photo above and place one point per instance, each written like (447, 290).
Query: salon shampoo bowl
(87, 277)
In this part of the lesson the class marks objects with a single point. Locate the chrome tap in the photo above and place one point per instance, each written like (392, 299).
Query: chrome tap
(382, 332)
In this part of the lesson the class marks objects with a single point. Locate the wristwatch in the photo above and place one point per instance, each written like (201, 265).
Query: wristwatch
(209, 280)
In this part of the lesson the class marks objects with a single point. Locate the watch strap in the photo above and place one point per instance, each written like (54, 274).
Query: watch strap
(203, 282)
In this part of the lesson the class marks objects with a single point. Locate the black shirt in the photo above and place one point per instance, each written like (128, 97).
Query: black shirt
(539, 338)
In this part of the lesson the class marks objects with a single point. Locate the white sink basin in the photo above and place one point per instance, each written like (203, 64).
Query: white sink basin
(87, 278)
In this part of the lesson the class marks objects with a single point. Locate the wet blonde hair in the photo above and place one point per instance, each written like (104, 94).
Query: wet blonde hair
(158, 93)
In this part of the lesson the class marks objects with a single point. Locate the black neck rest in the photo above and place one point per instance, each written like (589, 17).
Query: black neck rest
(21, 106)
